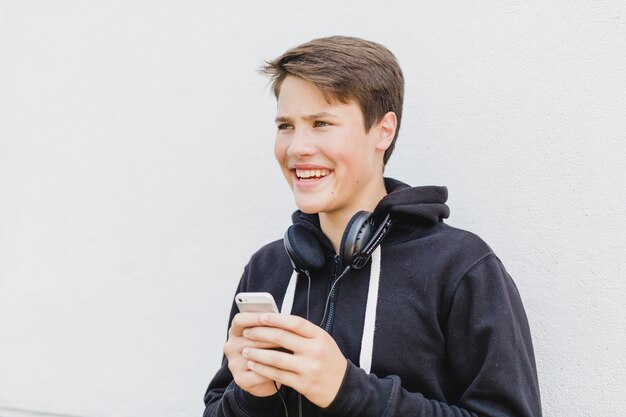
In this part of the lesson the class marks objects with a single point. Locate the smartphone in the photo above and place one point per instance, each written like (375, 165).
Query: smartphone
(256, 302)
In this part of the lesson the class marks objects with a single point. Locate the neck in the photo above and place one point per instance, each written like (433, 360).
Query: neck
(333, 224)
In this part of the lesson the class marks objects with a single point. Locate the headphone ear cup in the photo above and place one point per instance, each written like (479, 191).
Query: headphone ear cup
(358, 233)
(303, 248)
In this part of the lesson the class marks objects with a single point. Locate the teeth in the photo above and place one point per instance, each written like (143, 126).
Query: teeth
(311, 173)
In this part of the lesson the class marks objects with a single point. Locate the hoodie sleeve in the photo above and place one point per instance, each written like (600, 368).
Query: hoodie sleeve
(489, 353)
(224, 398)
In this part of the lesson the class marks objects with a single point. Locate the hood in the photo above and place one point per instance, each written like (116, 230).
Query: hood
(425, 205)
(413, 204)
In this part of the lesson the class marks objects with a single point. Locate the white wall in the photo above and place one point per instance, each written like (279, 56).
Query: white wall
(136, 139)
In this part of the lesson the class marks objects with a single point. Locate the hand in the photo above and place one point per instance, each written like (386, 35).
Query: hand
(248, 380)
(315, 368)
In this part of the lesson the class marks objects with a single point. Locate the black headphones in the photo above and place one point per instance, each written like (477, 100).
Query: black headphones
(358, 242)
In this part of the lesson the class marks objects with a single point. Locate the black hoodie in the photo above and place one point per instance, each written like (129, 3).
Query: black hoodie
(451, 336)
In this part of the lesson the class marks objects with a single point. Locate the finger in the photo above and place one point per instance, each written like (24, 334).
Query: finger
(259, 344)
(250, 379)
(282, 376)
(242, 374)
(294, 324)
(276, 337)
(275, 359)
(243, 320)
(234, 346)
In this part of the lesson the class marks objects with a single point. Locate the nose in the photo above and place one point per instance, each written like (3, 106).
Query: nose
(301, 144)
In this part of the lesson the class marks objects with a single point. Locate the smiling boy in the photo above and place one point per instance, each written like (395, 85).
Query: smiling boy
(432, 326)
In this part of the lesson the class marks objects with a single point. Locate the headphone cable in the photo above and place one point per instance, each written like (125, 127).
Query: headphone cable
(280, 395)
(332, 287)
(308, 303)
(308, 293)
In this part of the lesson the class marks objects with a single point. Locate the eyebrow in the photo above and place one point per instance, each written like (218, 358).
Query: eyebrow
(280, 119)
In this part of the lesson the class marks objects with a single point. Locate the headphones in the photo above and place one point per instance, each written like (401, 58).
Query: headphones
(358, 242)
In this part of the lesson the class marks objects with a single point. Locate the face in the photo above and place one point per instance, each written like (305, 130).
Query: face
(331, 163)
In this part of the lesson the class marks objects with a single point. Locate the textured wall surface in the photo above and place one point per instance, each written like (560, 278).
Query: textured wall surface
(136, 141)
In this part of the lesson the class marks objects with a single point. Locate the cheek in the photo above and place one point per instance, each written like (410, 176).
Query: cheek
(280, 149)
(280, 153)
(349, 158)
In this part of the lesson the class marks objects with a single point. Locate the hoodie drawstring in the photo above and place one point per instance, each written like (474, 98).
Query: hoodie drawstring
(289, 294)
(369, 326)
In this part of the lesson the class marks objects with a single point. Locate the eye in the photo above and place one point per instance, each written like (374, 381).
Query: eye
(285, 126)
(319, 123)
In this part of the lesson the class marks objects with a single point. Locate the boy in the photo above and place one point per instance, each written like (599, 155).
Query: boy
(427, 322)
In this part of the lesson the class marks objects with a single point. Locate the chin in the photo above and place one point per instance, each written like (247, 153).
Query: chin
(309, 207)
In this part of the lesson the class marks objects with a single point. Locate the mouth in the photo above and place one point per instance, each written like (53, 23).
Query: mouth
(310, 174)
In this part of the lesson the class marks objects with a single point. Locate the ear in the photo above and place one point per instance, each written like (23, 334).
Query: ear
(386, 130)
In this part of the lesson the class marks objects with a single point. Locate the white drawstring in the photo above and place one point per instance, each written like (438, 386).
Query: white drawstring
(369, 325)
(290, 293)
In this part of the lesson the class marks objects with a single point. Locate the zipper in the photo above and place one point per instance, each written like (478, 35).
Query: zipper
(333, 296)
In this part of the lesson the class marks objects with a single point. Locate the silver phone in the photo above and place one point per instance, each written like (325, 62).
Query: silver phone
(256, 302)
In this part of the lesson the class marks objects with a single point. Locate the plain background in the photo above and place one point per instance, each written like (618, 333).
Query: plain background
(137, 177)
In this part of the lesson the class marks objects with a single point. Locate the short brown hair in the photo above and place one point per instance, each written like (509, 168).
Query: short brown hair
(346, 68)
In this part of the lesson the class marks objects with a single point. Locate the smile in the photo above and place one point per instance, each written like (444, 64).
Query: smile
(311, 174)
